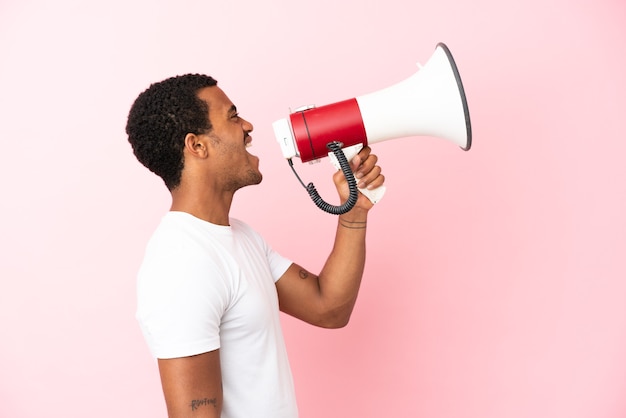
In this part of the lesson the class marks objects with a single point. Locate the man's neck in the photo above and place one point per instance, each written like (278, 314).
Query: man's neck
(203, 204)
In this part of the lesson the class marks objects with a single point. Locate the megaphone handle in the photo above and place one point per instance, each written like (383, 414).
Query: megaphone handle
(374, 195)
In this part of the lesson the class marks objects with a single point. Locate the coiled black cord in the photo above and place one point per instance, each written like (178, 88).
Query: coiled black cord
(335, 147)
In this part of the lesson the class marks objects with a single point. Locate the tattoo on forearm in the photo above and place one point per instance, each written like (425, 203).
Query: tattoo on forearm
(352, 225)
(197, 403)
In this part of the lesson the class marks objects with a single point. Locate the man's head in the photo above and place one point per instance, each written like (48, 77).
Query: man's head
(221, 155)
(160, 119)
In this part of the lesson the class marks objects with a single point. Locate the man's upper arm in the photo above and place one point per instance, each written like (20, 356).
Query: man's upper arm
(192, 385)
(299, 295)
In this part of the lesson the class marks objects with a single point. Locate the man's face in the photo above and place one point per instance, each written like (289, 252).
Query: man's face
(229, 135)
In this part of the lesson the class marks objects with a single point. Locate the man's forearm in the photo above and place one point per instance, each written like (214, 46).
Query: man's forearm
(340, 278)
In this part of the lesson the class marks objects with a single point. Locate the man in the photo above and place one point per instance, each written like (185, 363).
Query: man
(210, 288)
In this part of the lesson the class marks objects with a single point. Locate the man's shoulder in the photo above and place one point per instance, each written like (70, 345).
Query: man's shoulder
(240, 226)
(243, 229)
(170, 232)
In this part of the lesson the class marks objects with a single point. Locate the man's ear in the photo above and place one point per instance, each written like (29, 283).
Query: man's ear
(196, 145)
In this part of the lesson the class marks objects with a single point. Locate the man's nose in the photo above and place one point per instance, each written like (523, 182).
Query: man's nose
(247, 126)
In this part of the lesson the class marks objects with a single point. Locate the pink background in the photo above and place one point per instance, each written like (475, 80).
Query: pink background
(496, 279)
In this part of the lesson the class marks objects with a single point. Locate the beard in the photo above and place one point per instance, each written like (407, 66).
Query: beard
(242, 168)
(250, 178)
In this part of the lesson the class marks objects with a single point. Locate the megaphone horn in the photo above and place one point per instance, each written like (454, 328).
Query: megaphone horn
(431, 102)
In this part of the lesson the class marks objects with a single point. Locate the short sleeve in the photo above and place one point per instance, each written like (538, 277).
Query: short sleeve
(180, 302)
(278, 263)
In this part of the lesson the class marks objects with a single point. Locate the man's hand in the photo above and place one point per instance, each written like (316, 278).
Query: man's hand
(368, 175)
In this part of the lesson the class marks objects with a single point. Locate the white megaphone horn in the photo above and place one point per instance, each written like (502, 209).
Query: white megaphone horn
(429, 103)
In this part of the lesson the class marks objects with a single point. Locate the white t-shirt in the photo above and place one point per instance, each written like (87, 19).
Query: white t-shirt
(203, 287)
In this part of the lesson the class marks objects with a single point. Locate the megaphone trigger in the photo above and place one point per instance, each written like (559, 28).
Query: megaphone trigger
(344, 166)
(374, 195)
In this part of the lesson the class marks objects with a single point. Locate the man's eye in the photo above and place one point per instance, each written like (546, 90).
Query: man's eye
(236, 116)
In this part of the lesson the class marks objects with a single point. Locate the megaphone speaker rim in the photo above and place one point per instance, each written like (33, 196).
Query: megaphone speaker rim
(459, 83)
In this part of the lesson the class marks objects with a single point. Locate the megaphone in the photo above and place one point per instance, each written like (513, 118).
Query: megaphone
(431, 102)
